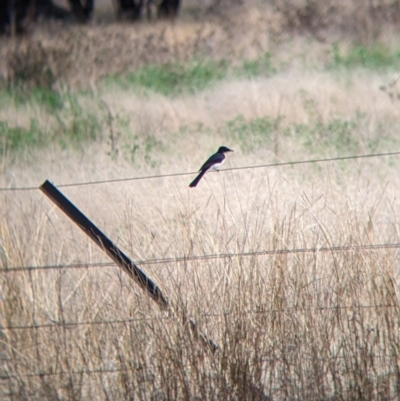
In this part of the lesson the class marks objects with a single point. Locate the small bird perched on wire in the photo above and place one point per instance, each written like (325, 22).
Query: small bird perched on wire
(213, 162)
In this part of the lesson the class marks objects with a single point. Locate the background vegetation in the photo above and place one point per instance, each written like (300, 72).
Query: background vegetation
(315, 317)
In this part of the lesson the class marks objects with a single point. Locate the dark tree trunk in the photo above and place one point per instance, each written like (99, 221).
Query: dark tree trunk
(16, 15)
(82, 11)
(13, 14)
(131, 9)
(169, 8)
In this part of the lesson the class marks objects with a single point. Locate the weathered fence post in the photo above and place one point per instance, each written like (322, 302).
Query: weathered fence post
(104, 243)
(119, 257)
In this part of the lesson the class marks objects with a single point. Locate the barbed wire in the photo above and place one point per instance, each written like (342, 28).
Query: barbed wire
(55, 324)
(158, 176)
(180, 259)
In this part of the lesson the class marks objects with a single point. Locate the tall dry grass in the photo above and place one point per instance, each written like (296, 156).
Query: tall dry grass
(298, 325)
(308, 321)
(295, 325)
(56, 55)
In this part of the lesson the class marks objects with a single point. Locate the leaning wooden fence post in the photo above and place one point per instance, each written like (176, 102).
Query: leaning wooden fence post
(118, 256)
(104, 243)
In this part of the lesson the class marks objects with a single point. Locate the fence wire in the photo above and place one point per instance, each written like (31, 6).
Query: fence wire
(71, 324)
(272, 360)
(159, 176)
(183, 259)
(205, 315)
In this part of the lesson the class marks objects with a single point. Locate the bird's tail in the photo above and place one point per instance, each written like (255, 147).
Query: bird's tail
(197, 179)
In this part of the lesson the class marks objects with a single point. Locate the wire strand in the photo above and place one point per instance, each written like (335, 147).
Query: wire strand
(204, 315)
(271, 360)
(148, 177)
(180, 259)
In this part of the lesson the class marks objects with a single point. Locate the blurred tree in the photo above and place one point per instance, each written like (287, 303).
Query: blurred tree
(17, 15)
(82, 10)
(168, 8)
(130, 9)
(133, 9)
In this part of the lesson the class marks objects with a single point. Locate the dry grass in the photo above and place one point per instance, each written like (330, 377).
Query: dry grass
(317, 325)
(76, 56)
(321, 325)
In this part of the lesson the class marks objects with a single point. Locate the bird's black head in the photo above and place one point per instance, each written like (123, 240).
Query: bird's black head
(224, 149)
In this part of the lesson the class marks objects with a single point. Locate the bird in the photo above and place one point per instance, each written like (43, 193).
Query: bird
(213, 162)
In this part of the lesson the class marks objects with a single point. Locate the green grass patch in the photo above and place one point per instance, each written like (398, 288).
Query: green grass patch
(51, 99)
(336, 136)
(176, 78)
(339, 134)
(77, 123)
(253, 133)
(260, 66)
(70, 120)
(371, 57)
(22, 95)
(17, 138)
(143, 150)
(173, 79)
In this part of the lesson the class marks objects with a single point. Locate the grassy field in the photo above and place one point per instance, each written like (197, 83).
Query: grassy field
(292, 270)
